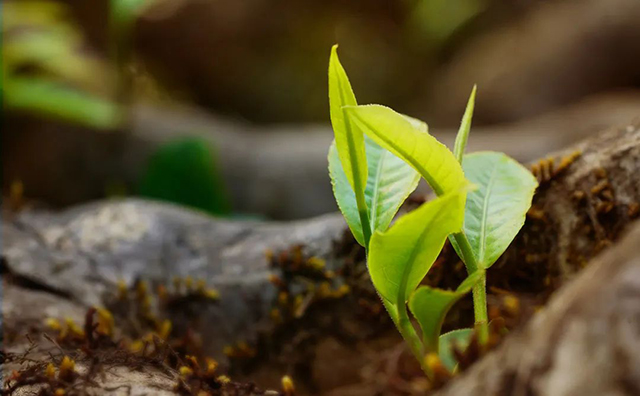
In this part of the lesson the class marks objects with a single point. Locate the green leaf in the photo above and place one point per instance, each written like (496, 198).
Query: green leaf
(430, 306)
(345, 197)
(400, 257)
(125, 12)
(184, 171)
(496, 210)
(389, 183)
(391, 130)
(436, 21)
(454, 339)
(465, 127)
(54, 99)
(349, 140)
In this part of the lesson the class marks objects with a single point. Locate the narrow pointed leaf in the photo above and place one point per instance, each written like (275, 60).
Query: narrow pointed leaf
(430, 306)
(349, 140)
(391, 130)
(465, 127)
(496, 210)
(401, 257)
(454, 339)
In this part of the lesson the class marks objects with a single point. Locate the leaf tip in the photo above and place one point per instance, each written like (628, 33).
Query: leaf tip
(334, 52)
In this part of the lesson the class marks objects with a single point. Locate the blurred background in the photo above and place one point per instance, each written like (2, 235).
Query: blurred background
(222, 105)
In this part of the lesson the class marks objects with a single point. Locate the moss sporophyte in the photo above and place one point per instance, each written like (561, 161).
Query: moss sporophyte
(375, 162)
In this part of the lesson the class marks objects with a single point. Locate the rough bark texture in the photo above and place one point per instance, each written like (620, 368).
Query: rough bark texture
(584, 342)
(67, 261)
(578, 210)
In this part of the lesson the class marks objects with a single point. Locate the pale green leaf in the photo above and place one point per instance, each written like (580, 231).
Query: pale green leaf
(433, 160)
(430, 306)
(400, 257)
(436, 21)
(345, 197)
(496, 210)
(465, 127)
(458, 339)
(389, 183)
(349, 140)
(125, 12)
(53, 99)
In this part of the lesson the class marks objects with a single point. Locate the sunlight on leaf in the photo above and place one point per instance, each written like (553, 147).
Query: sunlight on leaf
(401, 257)
(391, 130)
(349, 140)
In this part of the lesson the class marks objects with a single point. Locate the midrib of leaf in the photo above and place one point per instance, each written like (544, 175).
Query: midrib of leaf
(376, 188)
(434, 185)
(358, 189)
(352, 151)
(485, 211)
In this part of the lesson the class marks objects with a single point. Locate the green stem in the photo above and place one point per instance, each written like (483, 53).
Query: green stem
(479, 290)
(400, 318)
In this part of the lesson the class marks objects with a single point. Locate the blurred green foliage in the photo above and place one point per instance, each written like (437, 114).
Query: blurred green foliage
(435, 21)
(46, 70)
(184, 172)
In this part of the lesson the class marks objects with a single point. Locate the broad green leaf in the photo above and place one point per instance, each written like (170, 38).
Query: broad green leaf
(454, 339)
(433, 160)
(465, 127)
(400, 257)
(349, 140)
(389, 183)
(496, 210)
(430, 306)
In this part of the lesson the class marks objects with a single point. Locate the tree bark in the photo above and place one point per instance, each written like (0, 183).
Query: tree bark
(586, 341)
(78, 255)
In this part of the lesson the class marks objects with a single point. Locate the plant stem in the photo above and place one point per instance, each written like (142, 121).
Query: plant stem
(479, 290)
(400, 318)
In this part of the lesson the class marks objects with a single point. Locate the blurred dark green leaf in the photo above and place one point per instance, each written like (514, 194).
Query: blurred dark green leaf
(458, 339)
(185, 172)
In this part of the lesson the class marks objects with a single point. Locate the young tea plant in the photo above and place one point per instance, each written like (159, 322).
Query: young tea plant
(375, 162)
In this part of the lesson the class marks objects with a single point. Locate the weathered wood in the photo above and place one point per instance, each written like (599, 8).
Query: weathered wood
(79, 254)
(585, 342)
